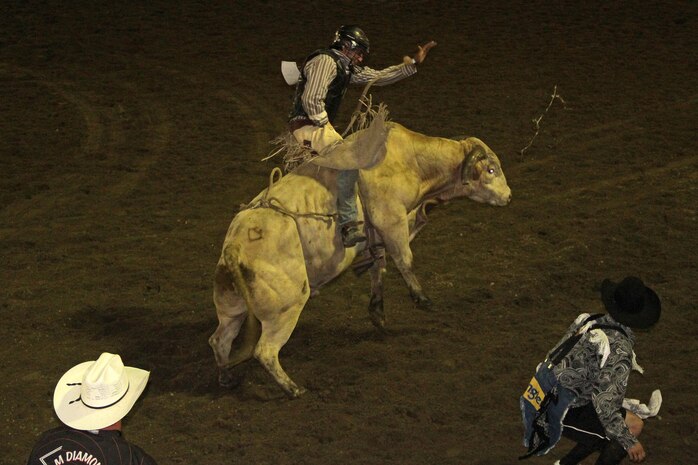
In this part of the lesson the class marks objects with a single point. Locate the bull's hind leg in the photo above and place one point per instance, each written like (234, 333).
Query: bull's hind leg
(275, 334)
(221, 343)
(232, 312)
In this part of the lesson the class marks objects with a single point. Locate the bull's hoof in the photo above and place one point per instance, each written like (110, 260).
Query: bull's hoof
(228, 380)
(423, 302)
(376, 313)
(378, 320)
(294, 392)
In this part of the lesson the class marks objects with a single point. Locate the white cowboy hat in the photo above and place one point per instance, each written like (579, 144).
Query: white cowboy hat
(97, 394)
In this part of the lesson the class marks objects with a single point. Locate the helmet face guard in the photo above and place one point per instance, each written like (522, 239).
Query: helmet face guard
(353, 39)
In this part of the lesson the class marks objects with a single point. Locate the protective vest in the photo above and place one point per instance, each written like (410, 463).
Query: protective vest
(335, 92)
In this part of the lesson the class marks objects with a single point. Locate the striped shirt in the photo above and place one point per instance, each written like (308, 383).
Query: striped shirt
(321, 71)
(68, 446)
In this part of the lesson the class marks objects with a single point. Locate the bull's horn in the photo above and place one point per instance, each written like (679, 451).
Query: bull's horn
(428, 205)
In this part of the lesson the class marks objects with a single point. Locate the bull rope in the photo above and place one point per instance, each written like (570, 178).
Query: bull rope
(275, 204)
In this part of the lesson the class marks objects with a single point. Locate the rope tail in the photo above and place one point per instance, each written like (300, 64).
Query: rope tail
(366, 101)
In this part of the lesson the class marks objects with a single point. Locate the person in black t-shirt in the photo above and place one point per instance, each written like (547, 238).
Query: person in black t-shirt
(90, 400)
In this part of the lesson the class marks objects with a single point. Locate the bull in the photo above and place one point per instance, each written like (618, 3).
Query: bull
(286, 244)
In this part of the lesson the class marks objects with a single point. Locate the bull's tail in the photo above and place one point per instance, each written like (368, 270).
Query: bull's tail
(252, 330)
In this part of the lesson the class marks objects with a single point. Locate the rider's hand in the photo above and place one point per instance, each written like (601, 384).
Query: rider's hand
(423, 51)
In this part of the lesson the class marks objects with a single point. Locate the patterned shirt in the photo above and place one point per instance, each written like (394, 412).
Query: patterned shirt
(321, 71)
(69, 446)
(601, 382)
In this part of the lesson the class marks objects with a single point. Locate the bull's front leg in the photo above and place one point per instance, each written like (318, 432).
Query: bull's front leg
(416, 292)
(397, 243)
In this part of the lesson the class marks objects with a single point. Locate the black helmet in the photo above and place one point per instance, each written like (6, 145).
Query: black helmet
(353, 36)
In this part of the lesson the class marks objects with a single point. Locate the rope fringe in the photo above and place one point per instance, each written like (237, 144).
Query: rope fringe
(294, 154)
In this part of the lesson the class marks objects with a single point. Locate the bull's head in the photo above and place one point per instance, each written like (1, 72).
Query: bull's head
(481, 174)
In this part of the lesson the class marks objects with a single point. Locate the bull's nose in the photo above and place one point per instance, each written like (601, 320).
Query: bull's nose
(503, 200)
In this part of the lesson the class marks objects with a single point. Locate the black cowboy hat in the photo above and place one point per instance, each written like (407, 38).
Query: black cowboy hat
(630, 302)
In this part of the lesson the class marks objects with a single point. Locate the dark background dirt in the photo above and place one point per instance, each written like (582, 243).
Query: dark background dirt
(131, 131)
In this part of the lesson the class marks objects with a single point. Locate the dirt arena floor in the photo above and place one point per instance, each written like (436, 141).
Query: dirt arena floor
(130, 132)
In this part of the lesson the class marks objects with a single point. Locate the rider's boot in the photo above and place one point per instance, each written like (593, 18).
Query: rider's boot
(352, 235)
